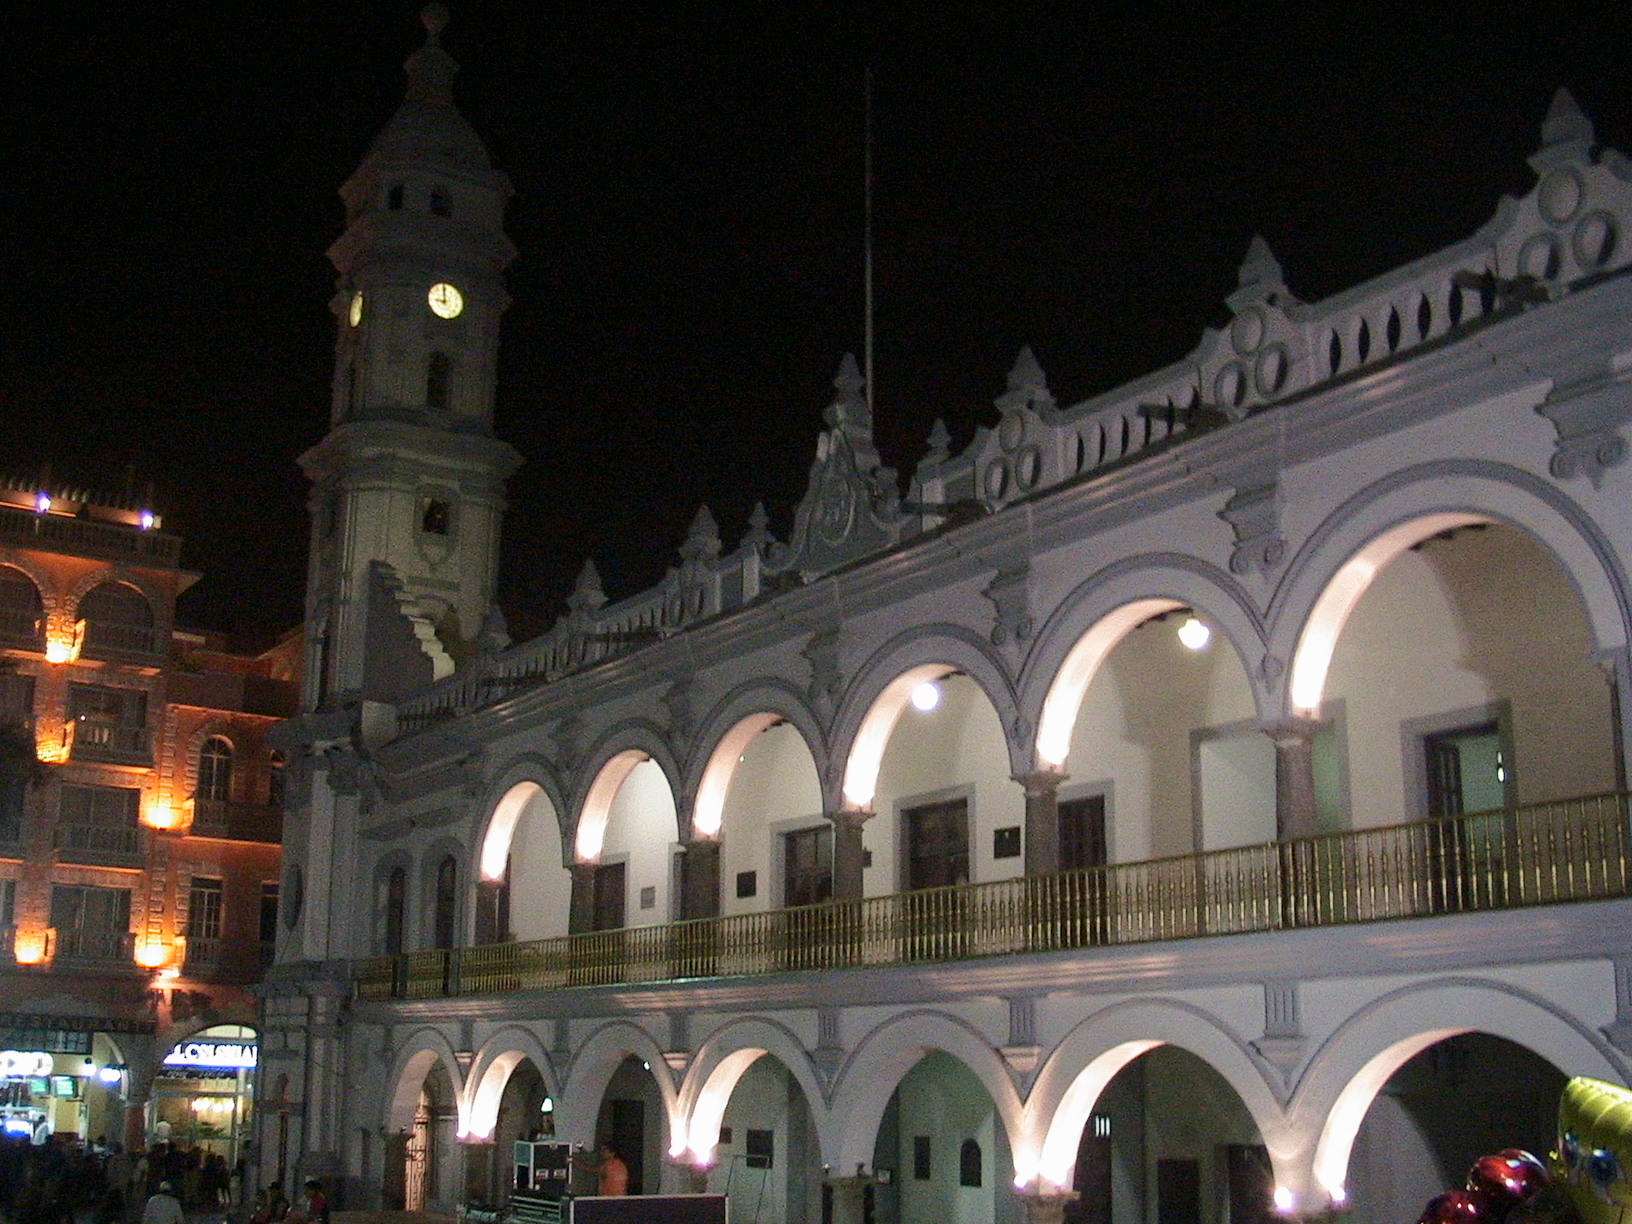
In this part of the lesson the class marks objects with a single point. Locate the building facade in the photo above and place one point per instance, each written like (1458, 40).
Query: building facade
(140, 817)
(1204, 801)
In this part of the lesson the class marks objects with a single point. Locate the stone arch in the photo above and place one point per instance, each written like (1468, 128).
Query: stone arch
(424, 1049)
(882, 686)
(116, 576)
(720, 1064)
(45, 593)
(1334, 567)
(730, 726)
(880, 1060)
(1080, 1066)
(497, 826)
(613, 757)
(1093, 618)
(1344, 1075)
(591, 1069)
(490, 1072)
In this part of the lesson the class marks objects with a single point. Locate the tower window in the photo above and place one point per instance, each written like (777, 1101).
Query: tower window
(440, 205)
(438, 380)
(435, 516)
(393, 198)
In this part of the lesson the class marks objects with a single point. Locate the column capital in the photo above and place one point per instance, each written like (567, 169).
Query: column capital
(1293, 729)
(1041, 783)
(1044, 1206)
(851, 818)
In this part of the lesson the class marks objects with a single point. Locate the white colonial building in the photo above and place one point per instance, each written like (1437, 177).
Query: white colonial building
(1200, 802)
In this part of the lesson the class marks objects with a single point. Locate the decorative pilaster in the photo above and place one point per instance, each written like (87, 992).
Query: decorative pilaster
(1283, 1041)
(1042, 845)
(1295, 810)
(848, 855)
(1587, 407)
(1619, 1031)
(850, 1198)
(581, 912)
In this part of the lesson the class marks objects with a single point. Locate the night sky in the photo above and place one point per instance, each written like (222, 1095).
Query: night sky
(689, 212)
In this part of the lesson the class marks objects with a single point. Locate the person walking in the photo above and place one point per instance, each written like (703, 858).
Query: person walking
(164, 1207)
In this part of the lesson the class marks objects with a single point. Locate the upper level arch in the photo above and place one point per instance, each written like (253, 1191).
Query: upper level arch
(883, 686)
(1337, 564)
(1100, 612)
(617, 755)
(521, 788)
(731, 726)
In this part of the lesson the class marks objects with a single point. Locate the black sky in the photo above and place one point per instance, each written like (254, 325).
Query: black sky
(1083, 179)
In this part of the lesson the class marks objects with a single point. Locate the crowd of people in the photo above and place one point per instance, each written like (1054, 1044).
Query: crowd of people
(64, 1181)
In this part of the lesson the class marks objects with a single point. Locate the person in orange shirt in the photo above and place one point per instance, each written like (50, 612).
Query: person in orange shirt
(614, 1172)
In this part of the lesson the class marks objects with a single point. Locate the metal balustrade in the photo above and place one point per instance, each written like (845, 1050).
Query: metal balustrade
(108, 845)
(256, 822)
(1573, 850)
(75, 944)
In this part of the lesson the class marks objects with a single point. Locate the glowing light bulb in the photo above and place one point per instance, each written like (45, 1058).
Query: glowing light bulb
(1193, 634)
(927, 696)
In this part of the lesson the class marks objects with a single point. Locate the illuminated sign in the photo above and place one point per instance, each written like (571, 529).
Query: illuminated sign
(19, 1064)
(212, 1054)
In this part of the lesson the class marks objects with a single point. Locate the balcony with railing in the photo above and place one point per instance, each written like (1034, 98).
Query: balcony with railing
(116, 641)
(216, 958)
(1547, 854)
(252, 822)
(88, 537)
(113, 743)
(94, 947)
(101, 845)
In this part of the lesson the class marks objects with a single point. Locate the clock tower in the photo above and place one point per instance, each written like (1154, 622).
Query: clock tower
(408, 486)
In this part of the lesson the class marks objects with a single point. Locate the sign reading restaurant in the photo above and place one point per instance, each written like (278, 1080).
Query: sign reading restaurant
(216, 1054)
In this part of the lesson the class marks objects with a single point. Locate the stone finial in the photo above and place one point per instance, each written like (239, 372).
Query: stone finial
(850, 405)
(587, 594)
(702, 537)
(939, 443)
(1260, 277)
(430, 69)
(1567, 134)
(495, 634)
(1028, 387)
(759, 528)
(434, 17)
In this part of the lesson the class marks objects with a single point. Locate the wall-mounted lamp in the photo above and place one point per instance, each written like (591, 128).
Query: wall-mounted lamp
(926, 696)
(30, 948)
(1193, 634)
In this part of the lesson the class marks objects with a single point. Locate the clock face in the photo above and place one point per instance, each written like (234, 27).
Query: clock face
(446, 301)
(356, 315)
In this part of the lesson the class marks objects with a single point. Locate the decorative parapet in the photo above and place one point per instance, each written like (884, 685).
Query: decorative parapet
(1567, 234)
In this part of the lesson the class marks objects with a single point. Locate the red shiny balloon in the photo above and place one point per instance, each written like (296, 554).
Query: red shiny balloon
(1456, 1207)
(1510, 1177)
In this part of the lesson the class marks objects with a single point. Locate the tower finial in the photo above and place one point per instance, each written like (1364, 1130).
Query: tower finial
(434, 17)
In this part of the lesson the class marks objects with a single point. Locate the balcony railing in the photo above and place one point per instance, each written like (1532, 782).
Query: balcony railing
(255, 822)
(1575, 850)
(85, 945)
(122, 743)
(91, 538)
(101, 845)
(107, 639)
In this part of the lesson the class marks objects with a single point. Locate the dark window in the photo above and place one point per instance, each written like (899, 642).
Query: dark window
(610, 880)
(297, 898)
(22, 614)
(117, 617)
(1082, 833)
(269, 912)
(276, 779)
(204, 908)
(747, 883)
(438, 380)
(447, 902)
(440, 205)
(760, 1148)
(921, 1167)
(937, 844)
(91, 921)
(82, 804)
(435, 516)
(969, 1163)
(8, 903)
(215, 770)
(17, 699)
(108, 719)
(807, 874)
(396, 911)
(393, 197)
(493, 909)
(1006, 842)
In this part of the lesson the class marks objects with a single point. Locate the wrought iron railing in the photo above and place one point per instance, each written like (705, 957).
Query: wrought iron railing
(1573, 850)
(106, 741)
(105, 638)
(72, 943)
(108, 845)
(256, 822)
